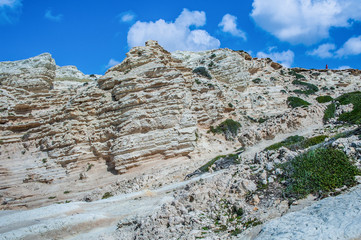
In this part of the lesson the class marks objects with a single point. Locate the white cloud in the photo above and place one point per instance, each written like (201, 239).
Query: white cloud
(9, 3)
(351, 47)
(323, 51)
(56, 18)
(10, 11)
(229, 25)
(285, 58)
(112, 62)
(343, 67)
(126, 17)
(304, 21)
(175, 35)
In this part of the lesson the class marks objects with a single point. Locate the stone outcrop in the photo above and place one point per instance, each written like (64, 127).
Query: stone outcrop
(71, 73)
(153, 106)
(33, 74)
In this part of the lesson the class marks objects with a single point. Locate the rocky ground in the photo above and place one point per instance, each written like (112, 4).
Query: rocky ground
(153, 121)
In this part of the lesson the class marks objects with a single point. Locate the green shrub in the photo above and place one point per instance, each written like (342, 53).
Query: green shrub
(318, 170)
(287, 142)
(297, 75)
(354, 116)
(197, 81)
(329, 112)
(324, 99)
(203, 72)
(311, 89)
(297, 102)
(213, 55)
(257, 80)
(228, 127)
(107, 195)
(230, 105)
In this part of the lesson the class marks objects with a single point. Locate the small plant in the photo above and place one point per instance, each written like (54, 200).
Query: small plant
(89, 167)
(197, 81)
(44, 160)
(310, 88)
(329, 112)
(232, 158)
(229, 128)
(323, 169)
(257, 80)
(203, 72)
(66, 192)
(52, 197)
(324, 99)
(297, 75)
(213, 55)
(230, 105)
(211, 64)
(297, 102)
(107, 195)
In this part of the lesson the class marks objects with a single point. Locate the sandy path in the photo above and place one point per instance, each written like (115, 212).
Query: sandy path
(82, 220)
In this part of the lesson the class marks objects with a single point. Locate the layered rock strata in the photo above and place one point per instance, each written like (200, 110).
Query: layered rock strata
(153, 106)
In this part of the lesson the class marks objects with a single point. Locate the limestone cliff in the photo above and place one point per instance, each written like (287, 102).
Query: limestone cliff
(59, 135)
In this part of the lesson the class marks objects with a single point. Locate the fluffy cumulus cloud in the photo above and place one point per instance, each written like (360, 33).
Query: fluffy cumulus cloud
(175, 35)
(351, 47)
(52, 17)
(323, 51)
(126, 17)
(304, 21)
(285, 58)
(229, 25)
(112, 62)
(10, 11)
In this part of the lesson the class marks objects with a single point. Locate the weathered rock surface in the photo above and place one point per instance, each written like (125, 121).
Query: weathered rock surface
(332, 218)
(151, 107)
(33, 74)
(71, 73)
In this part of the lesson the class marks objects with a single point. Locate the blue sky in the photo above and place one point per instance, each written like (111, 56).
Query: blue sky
(94, 35)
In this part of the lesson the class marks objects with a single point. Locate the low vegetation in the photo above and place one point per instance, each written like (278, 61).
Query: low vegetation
(227, 159)
(354, 116)
(310, 88)
(329, 112)
(324, 99)
(298, 142)
(318, 171)
(287, 142)
(297, 102)
(297, 75)
(306, 143)
(107, 195)
(257, 80)
(203, 72)
(229, 128)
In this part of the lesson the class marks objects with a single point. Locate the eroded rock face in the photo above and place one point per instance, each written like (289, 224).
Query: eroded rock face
(151, 107)
(33, 74)
(71, 73)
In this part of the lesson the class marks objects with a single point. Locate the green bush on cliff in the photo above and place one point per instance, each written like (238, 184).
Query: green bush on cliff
(297, 102)
(318, 171)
